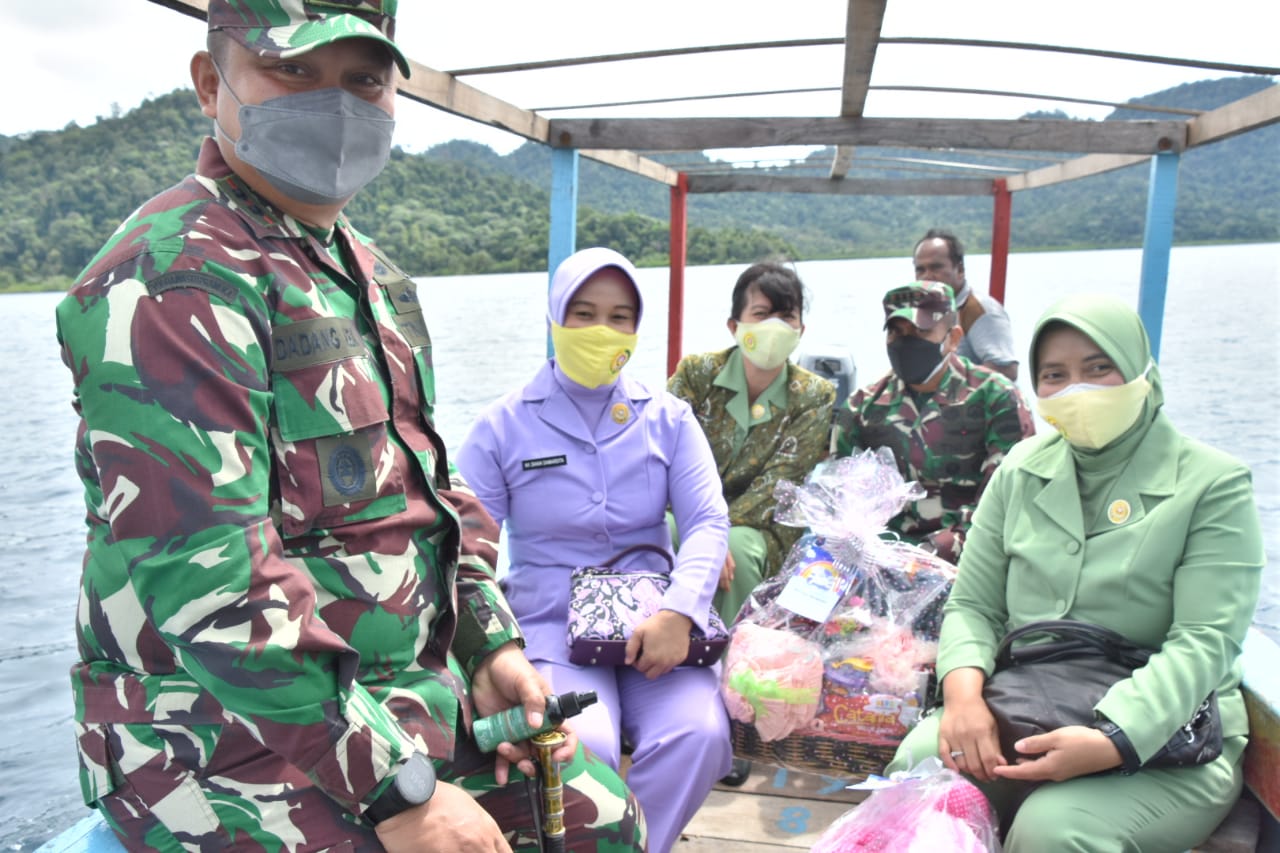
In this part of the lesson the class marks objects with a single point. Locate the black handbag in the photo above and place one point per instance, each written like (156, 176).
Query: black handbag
(1043, 686)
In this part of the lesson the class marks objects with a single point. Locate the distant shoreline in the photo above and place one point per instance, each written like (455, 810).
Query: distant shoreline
(60, 285)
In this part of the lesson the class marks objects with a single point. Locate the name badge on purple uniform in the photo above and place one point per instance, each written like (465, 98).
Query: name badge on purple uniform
(544, 462)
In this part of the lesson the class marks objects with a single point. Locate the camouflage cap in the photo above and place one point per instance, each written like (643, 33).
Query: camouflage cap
(922, 303)
(283, 28)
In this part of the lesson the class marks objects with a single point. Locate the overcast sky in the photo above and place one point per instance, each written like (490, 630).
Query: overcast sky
(72, 60)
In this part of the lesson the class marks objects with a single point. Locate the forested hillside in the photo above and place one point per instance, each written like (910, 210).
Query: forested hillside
(462, 208)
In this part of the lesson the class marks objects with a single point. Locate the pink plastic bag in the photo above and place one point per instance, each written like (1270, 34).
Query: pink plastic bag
(928, 809)
(772, 678)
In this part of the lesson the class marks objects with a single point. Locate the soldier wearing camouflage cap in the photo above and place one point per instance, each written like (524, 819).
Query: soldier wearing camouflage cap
(288, 612)
(949, 422)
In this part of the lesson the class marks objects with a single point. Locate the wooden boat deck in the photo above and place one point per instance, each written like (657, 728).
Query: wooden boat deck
(775, 810)
(779, 810)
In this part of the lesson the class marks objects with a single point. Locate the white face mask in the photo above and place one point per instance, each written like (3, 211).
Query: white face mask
(1092, 416)
(769, 343)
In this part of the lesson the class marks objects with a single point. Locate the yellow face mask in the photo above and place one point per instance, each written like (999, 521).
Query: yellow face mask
(769, 343)
(592, 355)
(1093, 416)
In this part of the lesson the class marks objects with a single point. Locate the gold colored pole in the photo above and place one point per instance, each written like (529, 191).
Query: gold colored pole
(552, 790)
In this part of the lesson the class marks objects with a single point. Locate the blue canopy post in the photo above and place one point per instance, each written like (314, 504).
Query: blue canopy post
(563, 240)
(1157, 242)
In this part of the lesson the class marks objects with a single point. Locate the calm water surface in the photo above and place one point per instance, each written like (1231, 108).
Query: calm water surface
(1220, 364)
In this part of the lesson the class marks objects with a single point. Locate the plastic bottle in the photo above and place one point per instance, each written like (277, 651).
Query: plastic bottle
(511, 726)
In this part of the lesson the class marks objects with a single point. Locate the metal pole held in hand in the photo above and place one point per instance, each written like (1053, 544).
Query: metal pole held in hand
(552, 828)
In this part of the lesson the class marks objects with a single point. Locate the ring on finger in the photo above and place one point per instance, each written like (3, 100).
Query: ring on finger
(956, 753)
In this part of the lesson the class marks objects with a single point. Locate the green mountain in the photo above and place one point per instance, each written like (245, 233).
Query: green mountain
(462, 208)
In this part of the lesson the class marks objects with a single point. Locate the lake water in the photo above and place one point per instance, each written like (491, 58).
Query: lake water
(1220, 362)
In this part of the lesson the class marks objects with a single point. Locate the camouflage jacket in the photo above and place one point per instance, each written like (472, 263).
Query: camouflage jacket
(781, 439)
(950, 442)
(274, 540)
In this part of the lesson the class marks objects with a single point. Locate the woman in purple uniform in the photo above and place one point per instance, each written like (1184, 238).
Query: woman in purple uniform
(581, 463)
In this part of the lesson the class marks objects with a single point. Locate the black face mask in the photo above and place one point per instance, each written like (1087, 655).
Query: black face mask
(914, 359)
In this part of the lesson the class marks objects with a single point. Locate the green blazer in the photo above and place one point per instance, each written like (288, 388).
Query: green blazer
(1173, 562)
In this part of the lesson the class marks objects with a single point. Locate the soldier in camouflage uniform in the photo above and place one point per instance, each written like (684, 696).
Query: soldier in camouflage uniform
(287, 601)
(948, 421)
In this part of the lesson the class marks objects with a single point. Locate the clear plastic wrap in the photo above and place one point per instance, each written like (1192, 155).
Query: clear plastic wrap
(870, 610)
(928, 809)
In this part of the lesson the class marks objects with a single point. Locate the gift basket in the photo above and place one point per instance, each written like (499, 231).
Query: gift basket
(924, 810)
(830, 662)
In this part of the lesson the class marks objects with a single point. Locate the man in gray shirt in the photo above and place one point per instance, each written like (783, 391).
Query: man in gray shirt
(988, 334)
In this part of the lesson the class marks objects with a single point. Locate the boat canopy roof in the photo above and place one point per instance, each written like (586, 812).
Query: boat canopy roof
(869, 97)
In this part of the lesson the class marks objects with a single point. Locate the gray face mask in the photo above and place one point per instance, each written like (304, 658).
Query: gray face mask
(316, 147)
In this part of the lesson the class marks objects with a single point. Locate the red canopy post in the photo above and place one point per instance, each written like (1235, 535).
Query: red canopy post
(679, 244)
(1000, 223)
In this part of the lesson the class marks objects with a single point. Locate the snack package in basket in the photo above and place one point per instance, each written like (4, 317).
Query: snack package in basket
(830, 662)
(924, 810)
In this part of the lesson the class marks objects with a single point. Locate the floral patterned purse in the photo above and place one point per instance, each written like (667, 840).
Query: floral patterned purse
(606, 605)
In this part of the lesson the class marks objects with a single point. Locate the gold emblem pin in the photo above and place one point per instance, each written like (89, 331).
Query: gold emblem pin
(620, 413)
(757, 411)
(1119, 511)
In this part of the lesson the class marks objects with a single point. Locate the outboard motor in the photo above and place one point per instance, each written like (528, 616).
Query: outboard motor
(834, 363)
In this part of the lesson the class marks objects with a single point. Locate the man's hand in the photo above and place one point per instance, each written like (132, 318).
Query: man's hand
(450, 822)
(659, 643)
(726, 572)
(503, 680)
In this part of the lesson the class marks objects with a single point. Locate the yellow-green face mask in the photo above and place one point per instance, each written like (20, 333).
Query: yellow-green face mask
(1092, 416)
(592, 355)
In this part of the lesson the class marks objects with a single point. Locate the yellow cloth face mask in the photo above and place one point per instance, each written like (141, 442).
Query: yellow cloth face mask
(592, 355)
(1093, 416)
(769, 343)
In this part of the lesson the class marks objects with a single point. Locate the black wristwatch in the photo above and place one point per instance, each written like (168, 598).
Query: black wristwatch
(413, 785)
(1129, 763)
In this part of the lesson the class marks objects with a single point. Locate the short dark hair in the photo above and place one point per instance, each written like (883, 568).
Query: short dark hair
(779, 284)
(954, 248)
(218, 44)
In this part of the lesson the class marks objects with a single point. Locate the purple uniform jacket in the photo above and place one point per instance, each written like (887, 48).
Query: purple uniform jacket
(574, 496)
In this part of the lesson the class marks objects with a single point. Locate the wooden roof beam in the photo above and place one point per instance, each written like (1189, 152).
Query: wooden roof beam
(1257, 110)
(825, 186)
(1236, 67)
(661, 53)
(1249, 113)
(666, 134)
(863, 22)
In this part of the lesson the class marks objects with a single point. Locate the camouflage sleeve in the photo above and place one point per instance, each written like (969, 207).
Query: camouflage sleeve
(1008, 421)
(485, 620)
(846, 435)
(683, 383)
(174, 390)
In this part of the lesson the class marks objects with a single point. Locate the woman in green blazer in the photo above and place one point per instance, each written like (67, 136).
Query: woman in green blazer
(1119, 520)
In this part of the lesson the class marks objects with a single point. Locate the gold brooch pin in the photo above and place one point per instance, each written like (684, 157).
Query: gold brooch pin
(620, 413)
(1119, 511)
